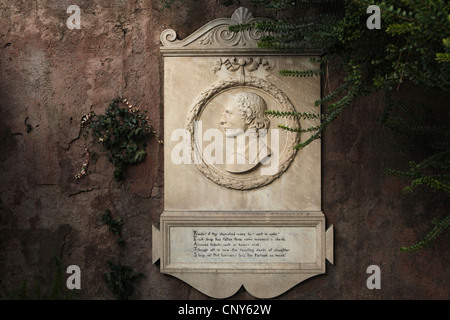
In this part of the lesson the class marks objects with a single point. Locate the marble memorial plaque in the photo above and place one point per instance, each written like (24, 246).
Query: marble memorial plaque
(241, 205)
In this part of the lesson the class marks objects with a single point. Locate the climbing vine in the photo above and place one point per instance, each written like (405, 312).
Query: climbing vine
(123, 132)
(413, 46)
(121, 278)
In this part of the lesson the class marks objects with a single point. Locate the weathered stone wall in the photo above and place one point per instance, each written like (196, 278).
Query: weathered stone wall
(51, 76)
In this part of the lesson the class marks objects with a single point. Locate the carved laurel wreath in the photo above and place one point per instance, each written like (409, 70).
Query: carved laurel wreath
(241, 182)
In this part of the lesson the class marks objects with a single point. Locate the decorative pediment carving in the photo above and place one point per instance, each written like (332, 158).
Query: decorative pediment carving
(216, 35)
(234, 64)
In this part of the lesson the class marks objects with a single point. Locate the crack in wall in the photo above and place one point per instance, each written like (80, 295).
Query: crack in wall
(83, 191)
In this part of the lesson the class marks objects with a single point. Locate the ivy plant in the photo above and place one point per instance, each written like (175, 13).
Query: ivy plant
(120, 280)
(412, 46)
(115, 225)
(123, 132)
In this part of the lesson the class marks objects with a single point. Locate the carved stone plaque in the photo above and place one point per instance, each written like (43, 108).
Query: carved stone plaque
(242, 207)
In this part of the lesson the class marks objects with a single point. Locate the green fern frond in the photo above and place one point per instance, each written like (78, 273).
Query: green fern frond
(58, 280)
(336, 93)
(406, 175)
(300, 73)
(311, 139)
(400, 29)
(440, 158)
(293, 114)
(300, 130)
(443, 57)
(439, 227)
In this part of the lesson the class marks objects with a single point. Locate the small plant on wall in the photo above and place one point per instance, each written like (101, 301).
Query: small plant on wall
(123, 132)
(115, 225)
(121, 278)
(57, 291)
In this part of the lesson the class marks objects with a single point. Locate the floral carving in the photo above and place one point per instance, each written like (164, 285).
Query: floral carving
(235, 64)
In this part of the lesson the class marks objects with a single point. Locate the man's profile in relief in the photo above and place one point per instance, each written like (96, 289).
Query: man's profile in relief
(245, 122)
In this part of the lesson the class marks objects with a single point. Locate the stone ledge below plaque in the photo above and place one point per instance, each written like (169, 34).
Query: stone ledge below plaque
(266, 252)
